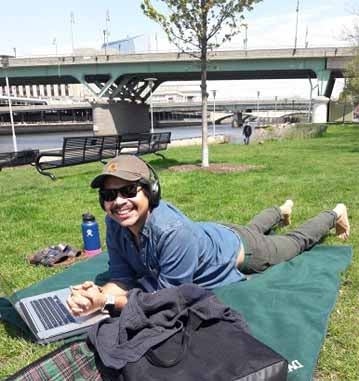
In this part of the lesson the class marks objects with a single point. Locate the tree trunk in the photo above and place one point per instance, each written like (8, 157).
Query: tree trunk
(205, 159)
(204, 95)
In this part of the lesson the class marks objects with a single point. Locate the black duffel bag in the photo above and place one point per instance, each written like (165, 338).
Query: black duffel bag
(204, 351)
(182, 334)
(215, 350)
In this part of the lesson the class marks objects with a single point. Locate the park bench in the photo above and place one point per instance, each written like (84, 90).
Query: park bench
(143, 143)
(87, 149)
(13, 159)
(78, 150)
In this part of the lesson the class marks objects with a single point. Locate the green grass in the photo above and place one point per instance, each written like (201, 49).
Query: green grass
(316, 173)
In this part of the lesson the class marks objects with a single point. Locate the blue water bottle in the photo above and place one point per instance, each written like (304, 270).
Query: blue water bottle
(90, 235)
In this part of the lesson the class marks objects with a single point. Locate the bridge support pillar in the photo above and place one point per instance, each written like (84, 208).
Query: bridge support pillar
(320, 109)
(120, 118)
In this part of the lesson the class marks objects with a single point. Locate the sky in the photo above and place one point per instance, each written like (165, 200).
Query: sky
(43, 27)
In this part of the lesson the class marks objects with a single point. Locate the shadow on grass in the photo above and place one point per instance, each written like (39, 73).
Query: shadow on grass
(13, 324)
(168, 163)
(64, 173)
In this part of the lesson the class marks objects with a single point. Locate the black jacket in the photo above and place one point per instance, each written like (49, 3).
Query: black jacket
(150, 318)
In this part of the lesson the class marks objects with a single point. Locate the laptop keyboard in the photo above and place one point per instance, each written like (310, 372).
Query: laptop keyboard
(52, 312)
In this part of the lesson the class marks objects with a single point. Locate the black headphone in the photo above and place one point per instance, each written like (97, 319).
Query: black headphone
(152, 188)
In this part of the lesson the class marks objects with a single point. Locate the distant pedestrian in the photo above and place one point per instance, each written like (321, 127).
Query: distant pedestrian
(247, 132)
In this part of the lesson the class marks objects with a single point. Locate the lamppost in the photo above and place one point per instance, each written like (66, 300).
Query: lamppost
(245, 40)
(104, 41)
(296, 26)
(54, 42)
(5, 65)
(258, 94)
(214, 92)
(151, 83)
(72, 23)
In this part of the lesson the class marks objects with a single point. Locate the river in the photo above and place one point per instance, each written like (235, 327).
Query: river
(53, 140)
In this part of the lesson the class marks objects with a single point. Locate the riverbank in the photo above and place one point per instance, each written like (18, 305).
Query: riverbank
(27, 128)
(186, 135)
(53, 139)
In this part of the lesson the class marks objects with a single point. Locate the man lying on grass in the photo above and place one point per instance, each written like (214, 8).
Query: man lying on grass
(152, 245)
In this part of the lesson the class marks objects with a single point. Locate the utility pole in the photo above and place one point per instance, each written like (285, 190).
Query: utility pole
(106, 31)
(156, 41)
(296, 26)
(245, 40)
(72, 23)
(306, 43)
(108, 23)
(54, 42)
(104, 41)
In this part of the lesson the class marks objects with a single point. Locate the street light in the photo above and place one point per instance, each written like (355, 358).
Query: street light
(72, 23)
(245, 40)
(5, 65)
(54, 42)
(104, 41)
(296, 26)
(151, 83)
(258, 94)
(214, 92)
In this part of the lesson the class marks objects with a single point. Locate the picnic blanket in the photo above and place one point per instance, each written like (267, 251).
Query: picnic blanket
(287, 307)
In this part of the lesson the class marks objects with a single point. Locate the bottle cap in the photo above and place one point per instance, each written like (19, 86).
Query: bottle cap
(88, 217)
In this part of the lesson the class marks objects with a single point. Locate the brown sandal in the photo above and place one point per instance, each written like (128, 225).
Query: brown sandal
(55, 255)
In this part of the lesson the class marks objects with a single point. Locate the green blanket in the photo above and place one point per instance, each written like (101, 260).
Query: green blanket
(287, 307)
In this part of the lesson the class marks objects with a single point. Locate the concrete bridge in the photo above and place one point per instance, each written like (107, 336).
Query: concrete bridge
(236, 105)
(120, 83)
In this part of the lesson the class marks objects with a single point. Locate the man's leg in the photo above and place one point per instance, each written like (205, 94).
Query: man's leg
(271, 217)
(262, 251)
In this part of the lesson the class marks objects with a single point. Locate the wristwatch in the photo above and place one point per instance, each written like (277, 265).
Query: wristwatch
(109, 306)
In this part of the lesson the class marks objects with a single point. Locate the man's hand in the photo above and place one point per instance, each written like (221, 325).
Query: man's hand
(85, 299)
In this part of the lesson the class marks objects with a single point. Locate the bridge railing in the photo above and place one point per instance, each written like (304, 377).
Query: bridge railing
(238, 51)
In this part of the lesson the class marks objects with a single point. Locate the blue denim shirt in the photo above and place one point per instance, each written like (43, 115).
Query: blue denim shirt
(173, 250)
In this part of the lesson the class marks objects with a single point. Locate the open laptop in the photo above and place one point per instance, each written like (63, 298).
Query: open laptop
(48, 316)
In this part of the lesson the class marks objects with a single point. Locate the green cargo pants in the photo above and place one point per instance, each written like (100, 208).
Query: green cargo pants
(263, 250)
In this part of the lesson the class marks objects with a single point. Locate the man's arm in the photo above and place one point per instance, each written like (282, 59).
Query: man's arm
(87, 298)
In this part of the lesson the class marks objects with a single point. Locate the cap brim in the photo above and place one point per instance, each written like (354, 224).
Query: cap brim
(99, 180)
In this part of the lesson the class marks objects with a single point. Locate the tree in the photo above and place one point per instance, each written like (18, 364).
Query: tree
(351, 87)
(191, 25)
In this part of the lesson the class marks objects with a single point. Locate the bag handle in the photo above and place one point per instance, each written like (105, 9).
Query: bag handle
(193, 323)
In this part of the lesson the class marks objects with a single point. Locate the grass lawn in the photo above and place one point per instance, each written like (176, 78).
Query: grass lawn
(316, 173)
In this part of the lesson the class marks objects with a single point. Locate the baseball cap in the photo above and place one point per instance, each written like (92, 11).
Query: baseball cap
(125, 167)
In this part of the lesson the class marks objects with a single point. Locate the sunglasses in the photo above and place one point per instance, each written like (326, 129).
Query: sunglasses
(127, 191)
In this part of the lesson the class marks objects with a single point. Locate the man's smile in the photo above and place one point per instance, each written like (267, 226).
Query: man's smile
(122, 212)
